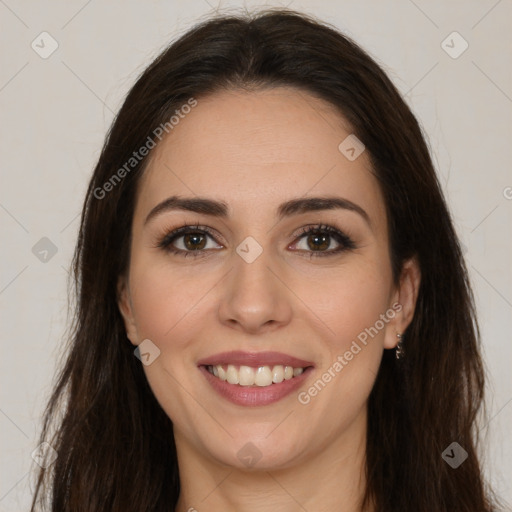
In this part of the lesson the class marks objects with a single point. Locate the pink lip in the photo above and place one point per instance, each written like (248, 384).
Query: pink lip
(254, 395)
(254, 359)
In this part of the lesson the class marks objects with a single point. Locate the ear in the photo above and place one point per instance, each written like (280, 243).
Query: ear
(404, 302)
(125, 305)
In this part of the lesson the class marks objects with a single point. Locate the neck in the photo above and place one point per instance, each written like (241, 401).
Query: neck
(333, 479)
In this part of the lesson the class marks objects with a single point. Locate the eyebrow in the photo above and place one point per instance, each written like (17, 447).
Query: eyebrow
(220, 209)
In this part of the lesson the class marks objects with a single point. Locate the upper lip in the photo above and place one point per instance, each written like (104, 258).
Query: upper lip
(254, 359)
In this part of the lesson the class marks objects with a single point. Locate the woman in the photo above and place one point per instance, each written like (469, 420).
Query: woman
(273, 310)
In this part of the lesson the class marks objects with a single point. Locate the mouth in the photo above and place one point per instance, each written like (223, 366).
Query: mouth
(253, 379)
(262, 376)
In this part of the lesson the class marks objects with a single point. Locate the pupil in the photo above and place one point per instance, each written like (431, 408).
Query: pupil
(323, 242)
(194, 237)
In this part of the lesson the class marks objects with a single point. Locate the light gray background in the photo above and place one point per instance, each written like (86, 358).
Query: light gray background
(55, 113)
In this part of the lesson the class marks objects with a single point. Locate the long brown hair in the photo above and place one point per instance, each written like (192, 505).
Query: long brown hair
(114, 442)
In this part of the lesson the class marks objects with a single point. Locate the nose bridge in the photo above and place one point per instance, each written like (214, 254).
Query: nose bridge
(254, 296)
(251, 266)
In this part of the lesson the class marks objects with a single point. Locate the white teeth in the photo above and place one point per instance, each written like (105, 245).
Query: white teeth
(222, 373)
(246, 374)
(262, 376)
(277, 374)
(232, 374)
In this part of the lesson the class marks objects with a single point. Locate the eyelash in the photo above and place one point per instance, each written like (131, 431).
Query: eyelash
(165, 242)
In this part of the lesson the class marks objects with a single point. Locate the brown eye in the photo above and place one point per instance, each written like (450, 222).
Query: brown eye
(318, 239)
(320, 242)
(188, 241)
(194, 241)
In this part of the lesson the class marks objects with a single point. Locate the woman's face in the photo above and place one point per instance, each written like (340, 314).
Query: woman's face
(245, 292)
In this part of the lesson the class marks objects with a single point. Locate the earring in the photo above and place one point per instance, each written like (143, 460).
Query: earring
(399, 353)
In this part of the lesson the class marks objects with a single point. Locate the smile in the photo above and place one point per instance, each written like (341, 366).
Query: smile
(254, 379)
(262, 376)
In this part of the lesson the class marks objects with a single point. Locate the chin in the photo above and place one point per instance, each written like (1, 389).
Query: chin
(259, 452)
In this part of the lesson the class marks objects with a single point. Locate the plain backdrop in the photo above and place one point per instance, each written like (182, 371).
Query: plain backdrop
(56, 109)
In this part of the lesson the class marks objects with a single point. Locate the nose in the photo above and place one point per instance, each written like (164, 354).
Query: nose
(255, 297)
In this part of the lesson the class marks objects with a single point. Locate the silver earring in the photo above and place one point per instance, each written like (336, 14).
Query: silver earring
(399, 353)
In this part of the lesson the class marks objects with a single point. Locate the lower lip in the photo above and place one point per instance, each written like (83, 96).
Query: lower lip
(255, 395)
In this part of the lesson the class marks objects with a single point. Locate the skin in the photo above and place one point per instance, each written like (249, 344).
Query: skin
(255, 150)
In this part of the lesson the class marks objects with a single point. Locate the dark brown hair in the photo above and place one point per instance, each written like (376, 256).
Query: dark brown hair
(114, 442)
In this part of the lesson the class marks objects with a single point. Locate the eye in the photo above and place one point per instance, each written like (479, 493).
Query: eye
(317, 239)
(188, 241)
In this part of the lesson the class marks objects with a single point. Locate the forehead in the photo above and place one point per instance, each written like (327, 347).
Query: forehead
(255, 150)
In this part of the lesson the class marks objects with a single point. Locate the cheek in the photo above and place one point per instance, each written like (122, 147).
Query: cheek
(168, 302)
(349, 300)
(357, 312)
(169, 310)
(156, 307)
